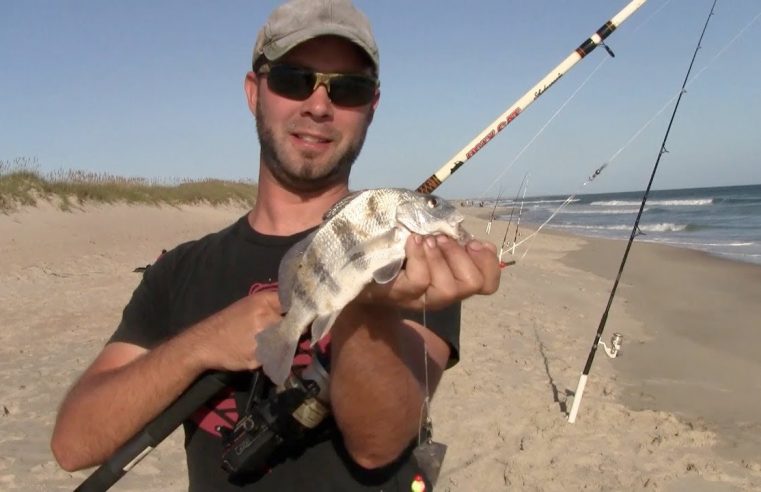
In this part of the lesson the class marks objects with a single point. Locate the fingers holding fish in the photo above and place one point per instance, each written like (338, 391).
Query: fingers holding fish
(460, 271)
(484, 256)
(438, 272)
(444, 287)
(415, 278)
(408, 288)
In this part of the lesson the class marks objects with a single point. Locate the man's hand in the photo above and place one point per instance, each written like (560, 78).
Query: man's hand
(127, 385)
(229, 338)
(439, 272)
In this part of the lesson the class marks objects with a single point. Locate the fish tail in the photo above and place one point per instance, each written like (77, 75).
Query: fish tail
(275, 351)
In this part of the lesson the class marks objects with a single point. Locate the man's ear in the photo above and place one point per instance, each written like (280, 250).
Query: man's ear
(251, 87)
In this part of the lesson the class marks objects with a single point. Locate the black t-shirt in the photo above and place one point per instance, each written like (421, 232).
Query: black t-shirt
(199, 278)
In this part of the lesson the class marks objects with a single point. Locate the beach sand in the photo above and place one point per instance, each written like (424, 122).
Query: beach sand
(678, 410)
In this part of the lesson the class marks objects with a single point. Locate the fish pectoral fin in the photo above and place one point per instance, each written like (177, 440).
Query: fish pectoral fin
(275, 351)
(382, 242)
(389, 272)
(322, 324)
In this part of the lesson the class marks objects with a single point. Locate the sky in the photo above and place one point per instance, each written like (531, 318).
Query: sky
(155, 89)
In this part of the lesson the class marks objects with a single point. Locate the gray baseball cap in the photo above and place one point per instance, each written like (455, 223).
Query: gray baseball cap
(297, 21)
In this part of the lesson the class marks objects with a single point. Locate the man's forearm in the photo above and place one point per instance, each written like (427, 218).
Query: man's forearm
(105, 409)
(378, 380)
(126, 386)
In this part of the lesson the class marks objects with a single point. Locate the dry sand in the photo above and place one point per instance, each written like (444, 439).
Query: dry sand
(679, 410)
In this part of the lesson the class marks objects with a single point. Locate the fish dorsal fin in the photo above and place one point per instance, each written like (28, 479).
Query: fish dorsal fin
(339, 205)
(389, 272)
(322, 324)
(286, 275)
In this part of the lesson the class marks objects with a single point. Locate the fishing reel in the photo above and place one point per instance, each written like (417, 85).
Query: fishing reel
(616, 340)
(278, 421)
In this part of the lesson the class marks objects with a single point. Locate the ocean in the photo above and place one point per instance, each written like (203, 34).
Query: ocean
(723, 221)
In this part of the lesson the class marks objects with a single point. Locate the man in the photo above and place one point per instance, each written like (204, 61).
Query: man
(313, 91)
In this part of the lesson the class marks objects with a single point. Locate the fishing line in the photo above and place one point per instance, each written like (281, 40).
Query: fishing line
(636, 134)
(425, 409)
(635, 230)
(645, 22)
(515, 110)
(562, 205)
(541, 130)
(428, 454)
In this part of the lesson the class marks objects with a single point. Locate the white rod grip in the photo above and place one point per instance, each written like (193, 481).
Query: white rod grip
(577, 398)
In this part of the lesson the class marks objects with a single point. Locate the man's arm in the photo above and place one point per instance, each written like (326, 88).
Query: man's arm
(127, 386)
(378, 366)
(378, 375)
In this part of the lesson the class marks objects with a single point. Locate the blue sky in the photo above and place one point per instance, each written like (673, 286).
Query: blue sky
(154, 89)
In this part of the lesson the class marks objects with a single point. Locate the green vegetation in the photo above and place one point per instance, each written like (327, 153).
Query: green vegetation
(21, 184)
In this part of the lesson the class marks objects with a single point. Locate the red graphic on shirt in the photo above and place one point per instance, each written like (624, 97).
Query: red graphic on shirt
(217, 412)
(222, 411)
(259, 287)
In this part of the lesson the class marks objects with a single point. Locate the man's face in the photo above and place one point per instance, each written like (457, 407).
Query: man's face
(310, 144)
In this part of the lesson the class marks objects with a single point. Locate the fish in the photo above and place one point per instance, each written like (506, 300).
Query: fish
(361, 240)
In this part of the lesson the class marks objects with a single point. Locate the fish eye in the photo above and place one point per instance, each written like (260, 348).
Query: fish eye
(432, 202)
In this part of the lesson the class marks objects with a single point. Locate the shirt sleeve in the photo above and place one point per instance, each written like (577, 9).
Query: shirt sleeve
(443, 322)
(145, 319)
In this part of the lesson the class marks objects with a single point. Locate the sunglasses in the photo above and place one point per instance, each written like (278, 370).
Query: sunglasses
(344, 89)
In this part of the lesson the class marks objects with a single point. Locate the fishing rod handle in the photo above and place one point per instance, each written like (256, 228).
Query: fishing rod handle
(155, 432)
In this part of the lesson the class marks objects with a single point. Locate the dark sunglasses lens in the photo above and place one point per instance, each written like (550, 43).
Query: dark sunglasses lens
(352, 90)
(298, 83)
(291, 82)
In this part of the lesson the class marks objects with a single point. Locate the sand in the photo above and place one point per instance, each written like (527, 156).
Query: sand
(678, 410)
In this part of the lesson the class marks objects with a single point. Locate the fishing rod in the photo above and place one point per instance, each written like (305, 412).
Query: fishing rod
(150, 436)
(483, 138)
(518, 222)
(635, 230)
(510, 220)
(493, 212)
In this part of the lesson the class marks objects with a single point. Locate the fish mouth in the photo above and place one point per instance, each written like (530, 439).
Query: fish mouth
(463, 236)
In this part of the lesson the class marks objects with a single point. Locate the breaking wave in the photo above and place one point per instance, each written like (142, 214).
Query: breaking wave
(602, 212)
(667, 203)
(664, 227)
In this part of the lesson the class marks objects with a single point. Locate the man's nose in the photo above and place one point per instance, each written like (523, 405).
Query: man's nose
(318, 104)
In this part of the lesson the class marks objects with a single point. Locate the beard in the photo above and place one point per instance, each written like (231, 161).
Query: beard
(305, 175)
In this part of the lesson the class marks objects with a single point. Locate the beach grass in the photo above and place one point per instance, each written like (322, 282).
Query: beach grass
(22, 184)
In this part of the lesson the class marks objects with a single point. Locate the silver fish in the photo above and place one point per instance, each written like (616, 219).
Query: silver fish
(361, 239)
